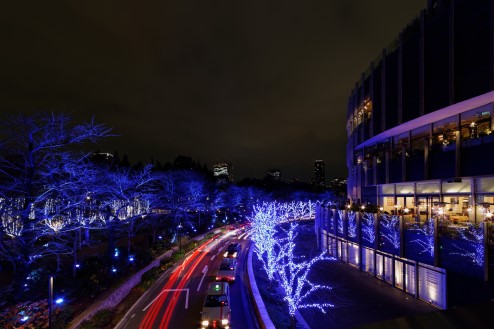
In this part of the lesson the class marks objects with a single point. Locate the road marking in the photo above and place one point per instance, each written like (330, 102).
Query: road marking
(132, 316)
(165, 290)
(213, 257)
(205, 271)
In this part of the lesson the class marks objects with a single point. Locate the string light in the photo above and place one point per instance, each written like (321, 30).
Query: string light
(277, 256)
(391, 231)
(475, 251)
(427, 230)
(368, 230)
(264, 221)
(293, 276)
(352, 224)
(340, 221)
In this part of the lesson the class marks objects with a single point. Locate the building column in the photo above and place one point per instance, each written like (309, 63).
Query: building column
(451, 50)
(421, 64)
(403, 163)
(402, 238)
(374, 170)
(436, 242)
(386, 162)
(458, 148)
(383, 91)
(400, 78)
(491, 47)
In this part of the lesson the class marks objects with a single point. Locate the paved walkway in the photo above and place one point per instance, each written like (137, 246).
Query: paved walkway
(359, 298)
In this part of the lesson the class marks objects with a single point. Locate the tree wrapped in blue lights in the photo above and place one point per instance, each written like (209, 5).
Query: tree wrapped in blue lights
(124, 202)
(475, 250)
(277, 256)
(42, 174)
(426, 244)
(294, 276)
(264, 223)
(368, 228)
(341, 217)
(352, 224)
(390, 229)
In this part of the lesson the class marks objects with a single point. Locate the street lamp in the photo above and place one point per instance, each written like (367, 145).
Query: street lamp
(50, 299)
(179, 227)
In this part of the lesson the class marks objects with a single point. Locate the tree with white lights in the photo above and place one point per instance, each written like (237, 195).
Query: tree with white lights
(294, 276)
(278, 258)
(284, 211)
(264, 223)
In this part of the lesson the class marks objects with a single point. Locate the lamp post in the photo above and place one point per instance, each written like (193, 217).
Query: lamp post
(179, 227)
(50, 299)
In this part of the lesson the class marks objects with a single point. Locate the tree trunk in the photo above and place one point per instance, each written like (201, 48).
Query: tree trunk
(292, 321)
(86, 235)
(75, 253)
(128, 242)
(111, 242)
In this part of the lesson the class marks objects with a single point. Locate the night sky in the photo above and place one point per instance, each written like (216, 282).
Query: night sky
(262, 84)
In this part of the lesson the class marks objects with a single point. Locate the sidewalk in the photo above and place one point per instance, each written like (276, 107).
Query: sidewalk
(359, 298)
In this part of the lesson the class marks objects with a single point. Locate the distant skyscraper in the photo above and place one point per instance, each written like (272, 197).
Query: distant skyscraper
(223, 169)
(274, 175)
(319, 173)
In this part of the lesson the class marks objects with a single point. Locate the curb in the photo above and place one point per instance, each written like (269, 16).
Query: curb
(259, 303)
(262, 311)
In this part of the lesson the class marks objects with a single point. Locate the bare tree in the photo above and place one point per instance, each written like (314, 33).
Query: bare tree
(38, 184)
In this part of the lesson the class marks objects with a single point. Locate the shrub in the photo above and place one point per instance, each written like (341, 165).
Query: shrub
(100, 320)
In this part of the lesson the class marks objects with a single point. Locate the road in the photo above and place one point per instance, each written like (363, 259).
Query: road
(176, 299)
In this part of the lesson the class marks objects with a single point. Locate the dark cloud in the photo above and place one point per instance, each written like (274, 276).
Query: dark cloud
(260, 83)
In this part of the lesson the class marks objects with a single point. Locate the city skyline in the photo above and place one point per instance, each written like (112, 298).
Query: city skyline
(262, 87)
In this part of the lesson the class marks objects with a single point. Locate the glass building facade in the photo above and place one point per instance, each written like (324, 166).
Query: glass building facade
(420, 119)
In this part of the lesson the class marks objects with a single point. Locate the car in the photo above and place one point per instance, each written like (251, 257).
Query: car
(234, 247)
(230, 254)
(216, 311)
(232, 251)
(227, 270)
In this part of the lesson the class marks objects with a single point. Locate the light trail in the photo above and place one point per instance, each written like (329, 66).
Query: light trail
(169, 310)
(151, 315)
